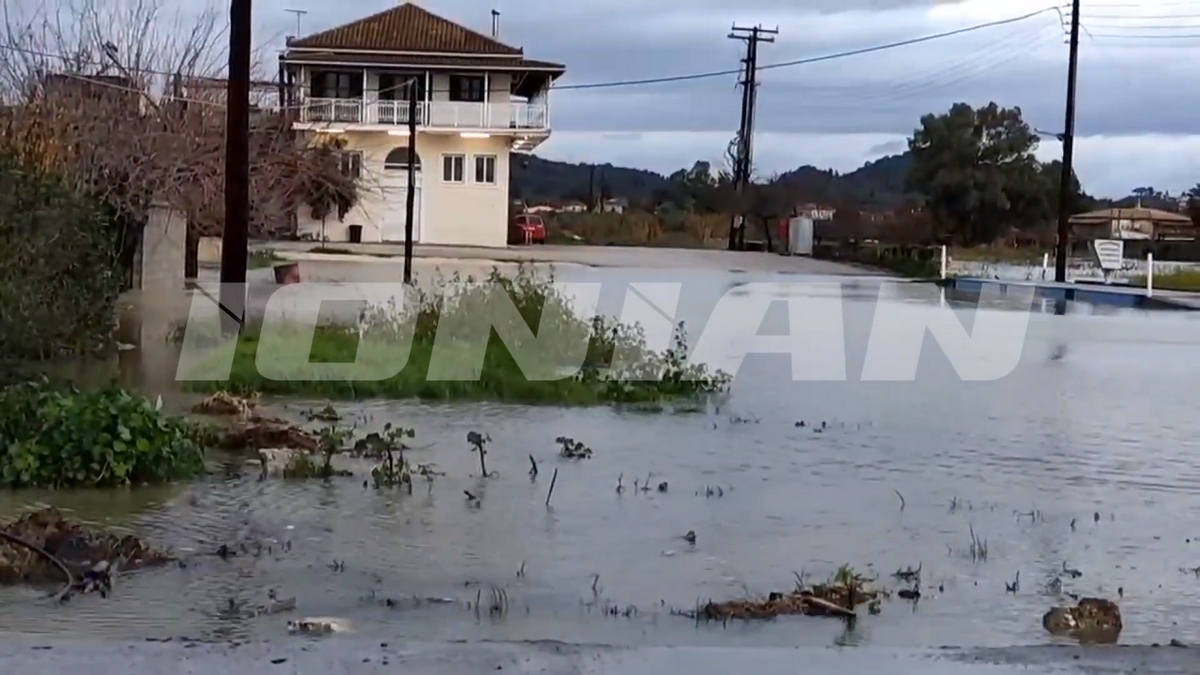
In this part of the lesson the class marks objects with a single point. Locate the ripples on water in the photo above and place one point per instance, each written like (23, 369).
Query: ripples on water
(1108, 428)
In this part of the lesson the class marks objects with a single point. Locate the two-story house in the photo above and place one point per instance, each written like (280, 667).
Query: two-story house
(477, 100)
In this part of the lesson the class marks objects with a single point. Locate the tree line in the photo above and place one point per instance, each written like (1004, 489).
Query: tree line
(969, 176)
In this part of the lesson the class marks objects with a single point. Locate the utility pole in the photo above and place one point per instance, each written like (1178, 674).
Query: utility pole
(592, 202)
(743, 163)
(1068, 147)
(234, 236)
(410, 201)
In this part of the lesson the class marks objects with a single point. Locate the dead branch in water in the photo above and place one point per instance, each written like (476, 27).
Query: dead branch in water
(553, 480)
(66, 589)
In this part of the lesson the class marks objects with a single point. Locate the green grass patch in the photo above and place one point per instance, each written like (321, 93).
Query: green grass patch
(553, 355)
(1179, 280)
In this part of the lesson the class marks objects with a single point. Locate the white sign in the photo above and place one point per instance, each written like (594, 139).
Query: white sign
(1109, 253)
(815, 343)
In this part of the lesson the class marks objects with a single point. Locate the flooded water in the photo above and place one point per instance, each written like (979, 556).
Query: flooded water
(1096, 420)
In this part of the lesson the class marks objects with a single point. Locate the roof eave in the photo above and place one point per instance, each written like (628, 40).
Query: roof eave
(518, 65)
(300, 47)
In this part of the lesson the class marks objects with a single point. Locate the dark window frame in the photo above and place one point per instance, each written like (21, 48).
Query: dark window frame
(468, 88)
(485, 170)
(389, 89)
(454, 168)
(345, 84)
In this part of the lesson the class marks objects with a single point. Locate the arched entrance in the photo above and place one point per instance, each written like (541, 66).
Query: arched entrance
(394, 184)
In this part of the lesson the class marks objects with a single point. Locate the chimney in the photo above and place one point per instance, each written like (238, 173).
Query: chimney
(495, 24)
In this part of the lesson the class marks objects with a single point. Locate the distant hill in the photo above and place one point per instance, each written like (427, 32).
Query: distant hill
(537, 180)
(877, 183)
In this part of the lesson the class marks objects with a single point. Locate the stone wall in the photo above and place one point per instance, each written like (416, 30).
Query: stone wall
(160, 262)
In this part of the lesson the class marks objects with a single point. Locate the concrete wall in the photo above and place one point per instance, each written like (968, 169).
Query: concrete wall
(164, 245)
(465, 214)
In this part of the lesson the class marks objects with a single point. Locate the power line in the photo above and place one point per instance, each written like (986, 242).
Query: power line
(990, 56)
(1117, 26)
(693, 76)
(814, 59)
(1141, 17)
(1126, 36)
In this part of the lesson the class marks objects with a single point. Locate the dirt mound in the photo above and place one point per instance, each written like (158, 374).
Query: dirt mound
(76, 546)
(257, 433)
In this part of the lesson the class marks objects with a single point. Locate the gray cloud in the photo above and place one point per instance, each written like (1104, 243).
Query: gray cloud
(1122, 91)
(885, 92)
(886, 148)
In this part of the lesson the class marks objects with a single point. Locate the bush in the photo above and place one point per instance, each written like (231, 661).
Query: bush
(639, 228)
(58, 267)
(69, 438)
(639, 376)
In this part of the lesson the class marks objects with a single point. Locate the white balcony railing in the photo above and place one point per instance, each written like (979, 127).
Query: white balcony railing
(436, 114)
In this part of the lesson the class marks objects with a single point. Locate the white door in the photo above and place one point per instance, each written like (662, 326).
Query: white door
(394, 184)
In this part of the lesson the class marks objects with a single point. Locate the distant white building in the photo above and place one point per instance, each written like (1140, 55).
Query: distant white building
(477, 100)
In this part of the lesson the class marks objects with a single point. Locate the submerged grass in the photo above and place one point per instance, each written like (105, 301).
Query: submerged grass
(552, 355)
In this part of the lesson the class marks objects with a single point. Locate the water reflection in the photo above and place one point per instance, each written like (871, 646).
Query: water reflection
(1109, 427)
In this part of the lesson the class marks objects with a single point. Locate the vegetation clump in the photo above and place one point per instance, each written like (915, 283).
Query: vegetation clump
(839, 596)
(331, 441)
(61, 438)
(549, 354)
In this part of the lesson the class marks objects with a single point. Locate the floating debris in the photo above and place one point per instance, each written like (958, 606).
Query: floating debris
(257, 433)
(909, 574)
(572, 449)
(225, 404)
(44, 547)
(1093, 620)
(318, 626)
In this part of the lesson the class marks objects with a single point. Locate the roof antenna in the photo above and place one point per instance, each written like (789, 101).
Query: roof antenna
(299, 16)
(495, 24)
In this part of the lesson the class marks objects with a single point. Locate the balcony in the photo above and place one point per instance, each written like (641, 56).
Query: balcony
(430, 114)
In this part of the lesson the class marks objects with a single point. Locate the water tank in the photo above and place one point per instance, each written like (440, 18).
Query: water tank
(800, 236)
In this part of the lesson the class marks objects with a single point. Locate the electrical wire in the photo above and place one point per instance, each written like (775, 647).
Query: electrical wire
(813, 59)
(1126, 36)
(1010, 48)
(646, 81)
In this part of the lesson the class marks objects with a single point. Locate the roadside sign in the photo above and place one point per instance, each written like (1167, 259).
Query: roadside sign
(1109, 253)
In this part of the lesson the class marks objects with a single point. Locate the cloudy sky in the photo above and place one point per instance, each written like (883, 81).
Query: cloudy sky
(1138, 91)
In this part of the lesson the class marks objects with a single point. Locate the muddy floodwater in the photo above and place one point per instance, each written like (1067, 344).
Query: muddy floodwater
(1096, 428)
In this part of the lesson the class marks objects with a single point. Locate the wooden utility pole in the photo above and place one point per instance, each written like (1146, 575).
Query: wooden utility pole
(410, 198)
(234, 244)
(1068, 146)
(743, 163)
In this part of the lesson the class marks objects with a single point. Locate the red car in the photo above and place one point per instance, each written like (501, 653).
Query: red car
(527, 228)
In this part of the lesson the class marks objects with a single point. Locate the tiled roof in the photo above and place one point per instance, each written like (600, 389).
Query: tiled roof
(431, 61)
(407, 28)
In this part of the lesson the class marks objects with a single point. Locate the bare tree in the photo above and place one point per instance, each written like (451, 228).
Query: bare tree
(127, 101)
